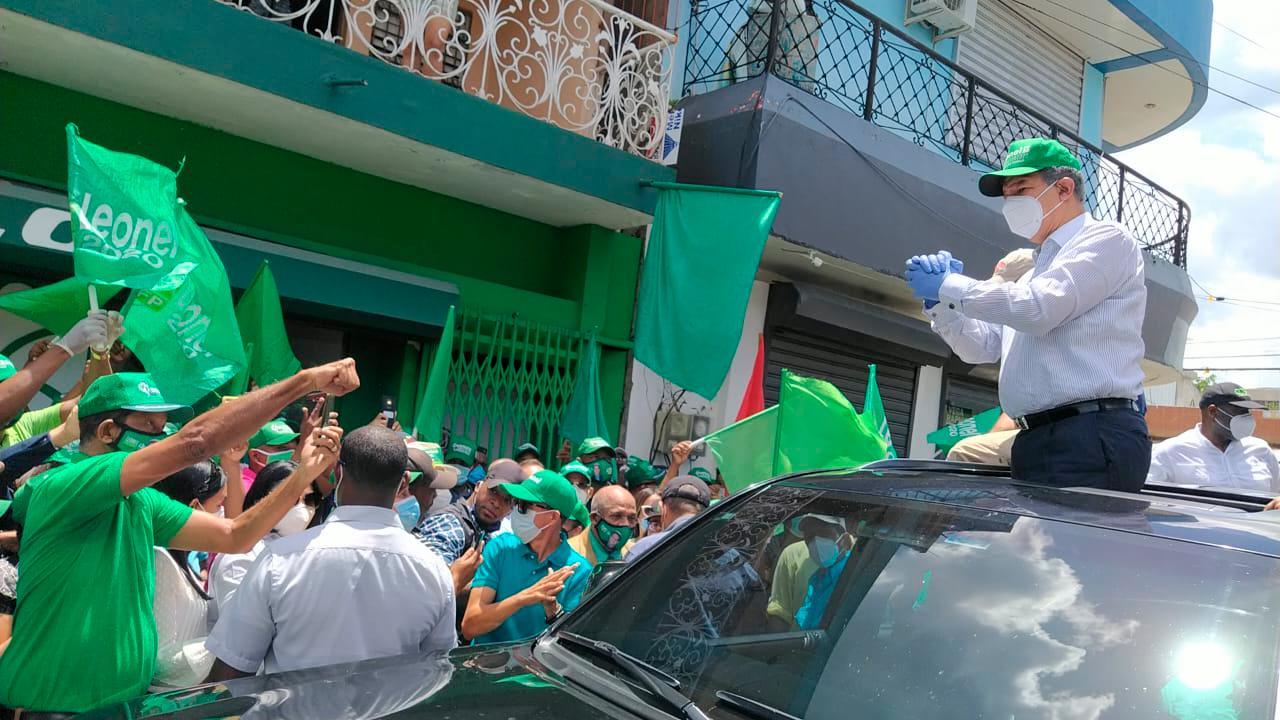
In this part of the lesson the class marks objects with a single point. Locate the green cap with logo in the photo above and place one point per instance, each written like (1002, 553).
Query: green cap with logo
(1025, 157)
(595, 444)
(461, 451)
(129, 391)
(276, 432)
(7, 369)
(640, 472)
(576, 468)
(551, 489)
(704, 475)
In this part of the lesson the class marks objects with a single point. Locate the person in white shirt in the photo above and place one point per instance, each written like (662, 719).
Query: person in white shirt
(354, 588)
(1221, 449)
(1068, 335)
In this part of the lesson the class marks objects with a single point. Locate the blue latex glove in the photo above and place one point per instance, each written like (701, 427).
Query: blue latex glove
(924, 284)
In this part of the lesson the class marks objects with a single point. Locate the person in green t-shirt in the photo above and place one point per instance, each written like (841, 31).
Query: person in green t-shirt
(84, 632)
(18, 387)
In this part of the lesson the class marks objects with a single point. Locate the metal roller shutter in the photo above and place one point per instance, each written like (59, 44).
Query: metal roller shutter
(966, 397)
(1013, 54)
(845, 366)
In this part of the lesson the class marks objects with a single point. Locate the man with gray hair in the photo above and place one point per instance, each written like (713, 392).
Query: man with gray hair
(1068, 334)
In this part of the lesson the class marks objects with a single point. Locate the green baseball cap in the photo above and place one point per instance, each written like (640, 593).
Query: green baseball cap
(553, 490)
(576, 468)
(461, 451)
(276, 432)
(704, 475)
(595, 444)
(1025, 157)
(527, 449)
(640, 472)
(129, 391)
(7, 369)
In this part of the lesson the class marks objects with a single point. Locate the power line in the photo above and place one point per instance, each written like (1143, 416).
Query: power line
(1240, 35)
(1236, 369)
(1139, 38)
(1237, 303)
(1152, 63)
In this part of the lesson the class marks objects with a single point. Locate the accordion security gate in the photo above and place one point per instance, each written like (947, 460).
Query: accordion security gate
(510, 382)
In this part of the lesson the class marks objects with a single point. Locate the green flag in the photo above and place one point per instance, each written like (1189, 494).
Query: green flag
(947, 437)
(262, 326)
(688, 321)
(57, 306)
(239, 384)
(584, 415)
(430, 418)
(124, 211)
(873, 413)
(184, 328)
(744, 450)
(819, 429)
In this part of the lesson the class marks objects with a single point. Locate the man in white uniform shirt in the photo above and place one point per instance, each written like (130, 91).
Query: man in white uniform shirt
(353, 588)
(1068, 335)
(1221, 449)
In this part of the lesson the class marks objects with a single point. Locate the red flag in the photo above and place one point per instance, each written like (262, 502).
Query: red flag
(753, 398)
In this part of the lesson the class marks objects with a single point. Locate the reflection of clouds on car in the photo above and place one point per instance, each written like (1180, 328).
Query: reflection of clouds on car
(1042, 624)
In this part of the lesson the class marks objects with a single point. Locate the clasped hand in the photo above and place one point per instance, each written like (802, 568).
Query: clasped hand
(925, 274)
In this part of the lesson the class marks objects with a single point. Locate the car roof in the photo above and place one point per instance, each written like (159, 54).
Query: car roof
(1223, 517)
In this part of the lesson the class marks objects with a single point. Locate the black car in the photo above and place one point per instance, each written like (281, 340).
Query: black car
(955, 593)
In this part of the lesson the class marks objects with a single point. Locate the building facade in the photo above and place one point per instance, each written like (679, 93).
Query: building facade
(875, 120)
(389, 159)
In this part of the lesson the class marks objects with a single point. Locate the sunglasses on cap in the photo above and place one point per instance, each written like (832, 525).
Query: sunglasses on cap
(524, 506)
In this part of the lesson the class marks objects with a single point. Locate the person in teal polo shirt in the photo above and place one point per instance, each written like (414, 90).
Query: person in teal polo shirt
(529, 574)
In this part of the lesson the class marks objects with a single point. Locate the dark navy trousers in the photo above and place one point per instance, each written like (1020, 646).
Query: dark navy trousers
(1107, 449)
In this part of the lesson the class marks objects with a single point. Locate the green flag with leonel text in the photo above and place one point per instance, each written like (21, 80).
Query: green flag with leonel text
(184, 328)
(124, 216)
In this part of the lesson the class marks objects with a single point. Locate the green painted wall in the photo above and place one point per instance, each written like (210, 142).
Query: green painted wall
(582, 277)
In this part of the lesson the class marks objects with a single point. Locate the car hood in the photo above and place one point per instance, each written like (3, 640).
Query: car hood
(493, 682)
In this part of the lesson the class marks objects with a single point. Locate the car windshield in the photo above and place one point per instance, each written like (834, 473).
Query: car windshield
(826, 604)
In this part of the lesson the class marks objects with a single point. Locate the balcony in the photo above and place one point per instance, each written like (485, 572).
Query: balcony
(838, 52)
(583, 65)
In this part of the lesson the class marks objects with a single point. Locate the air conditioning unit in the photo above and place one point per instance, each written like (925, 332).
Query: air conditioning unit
(949, 18)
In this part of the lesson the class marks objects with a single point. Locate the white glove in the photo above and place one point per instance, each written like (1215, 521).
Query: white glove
(92, 330)
(115, 328)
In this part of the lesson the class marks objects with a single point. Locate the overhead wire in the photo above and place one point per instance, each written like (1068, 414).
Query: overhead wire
(1148, 61)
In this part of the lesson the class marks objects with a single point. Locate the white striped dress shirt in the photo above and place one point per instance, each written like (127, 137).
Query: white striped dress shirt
(1070, 330)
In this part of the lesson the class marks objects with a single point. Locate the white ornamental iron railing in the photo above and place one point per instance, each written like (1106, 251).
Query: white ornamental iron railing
(583, 65)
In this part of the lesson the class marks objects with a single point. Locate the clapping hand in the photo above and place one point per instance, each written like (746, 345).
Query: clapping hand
(925, 274)
(319, 450)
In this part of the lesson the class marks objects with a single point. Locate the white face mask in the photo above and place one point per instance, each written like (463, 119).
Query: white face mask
(440, 502)
(824, 551)
(525, 525)
(294, 521)
(1024, 214)
(1240, 427)
(583, 495)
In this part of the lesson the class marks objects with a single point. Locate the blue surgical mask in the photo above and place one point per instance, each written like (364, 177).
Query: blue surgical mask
(409, 510)
(476, 474)
(824, 551)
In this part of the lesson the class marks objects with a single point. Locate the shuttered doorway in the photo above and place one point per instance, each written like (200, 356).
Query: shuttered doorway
(844, 365)
(1011, 53)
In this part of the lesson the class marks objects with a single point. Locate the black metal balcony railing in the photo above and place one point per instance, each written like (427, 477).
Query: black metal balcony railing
(847, 56)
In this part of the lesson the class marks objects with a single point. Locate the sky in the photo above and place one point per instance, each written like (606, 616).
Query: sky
(1225, 163)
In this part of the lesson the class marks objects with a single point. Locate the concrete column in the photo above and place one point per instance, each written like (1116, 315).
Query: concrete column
(925, 410)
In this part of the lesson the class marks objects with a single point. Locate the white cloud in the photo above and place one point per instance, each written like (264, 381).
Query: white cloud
(1225, 163)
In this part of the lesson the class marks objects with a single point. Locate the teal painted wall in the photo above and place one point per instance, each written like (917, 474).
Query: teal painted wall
(1091, 104)
(581, 278)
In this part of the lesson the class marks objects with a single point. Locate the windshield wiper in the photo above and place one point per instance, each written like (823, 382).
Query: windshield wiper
(751, 708)
(654, 680)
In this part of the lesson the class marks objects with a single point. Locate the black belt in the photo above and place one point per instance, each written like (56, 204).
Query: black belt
(1040, 419)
